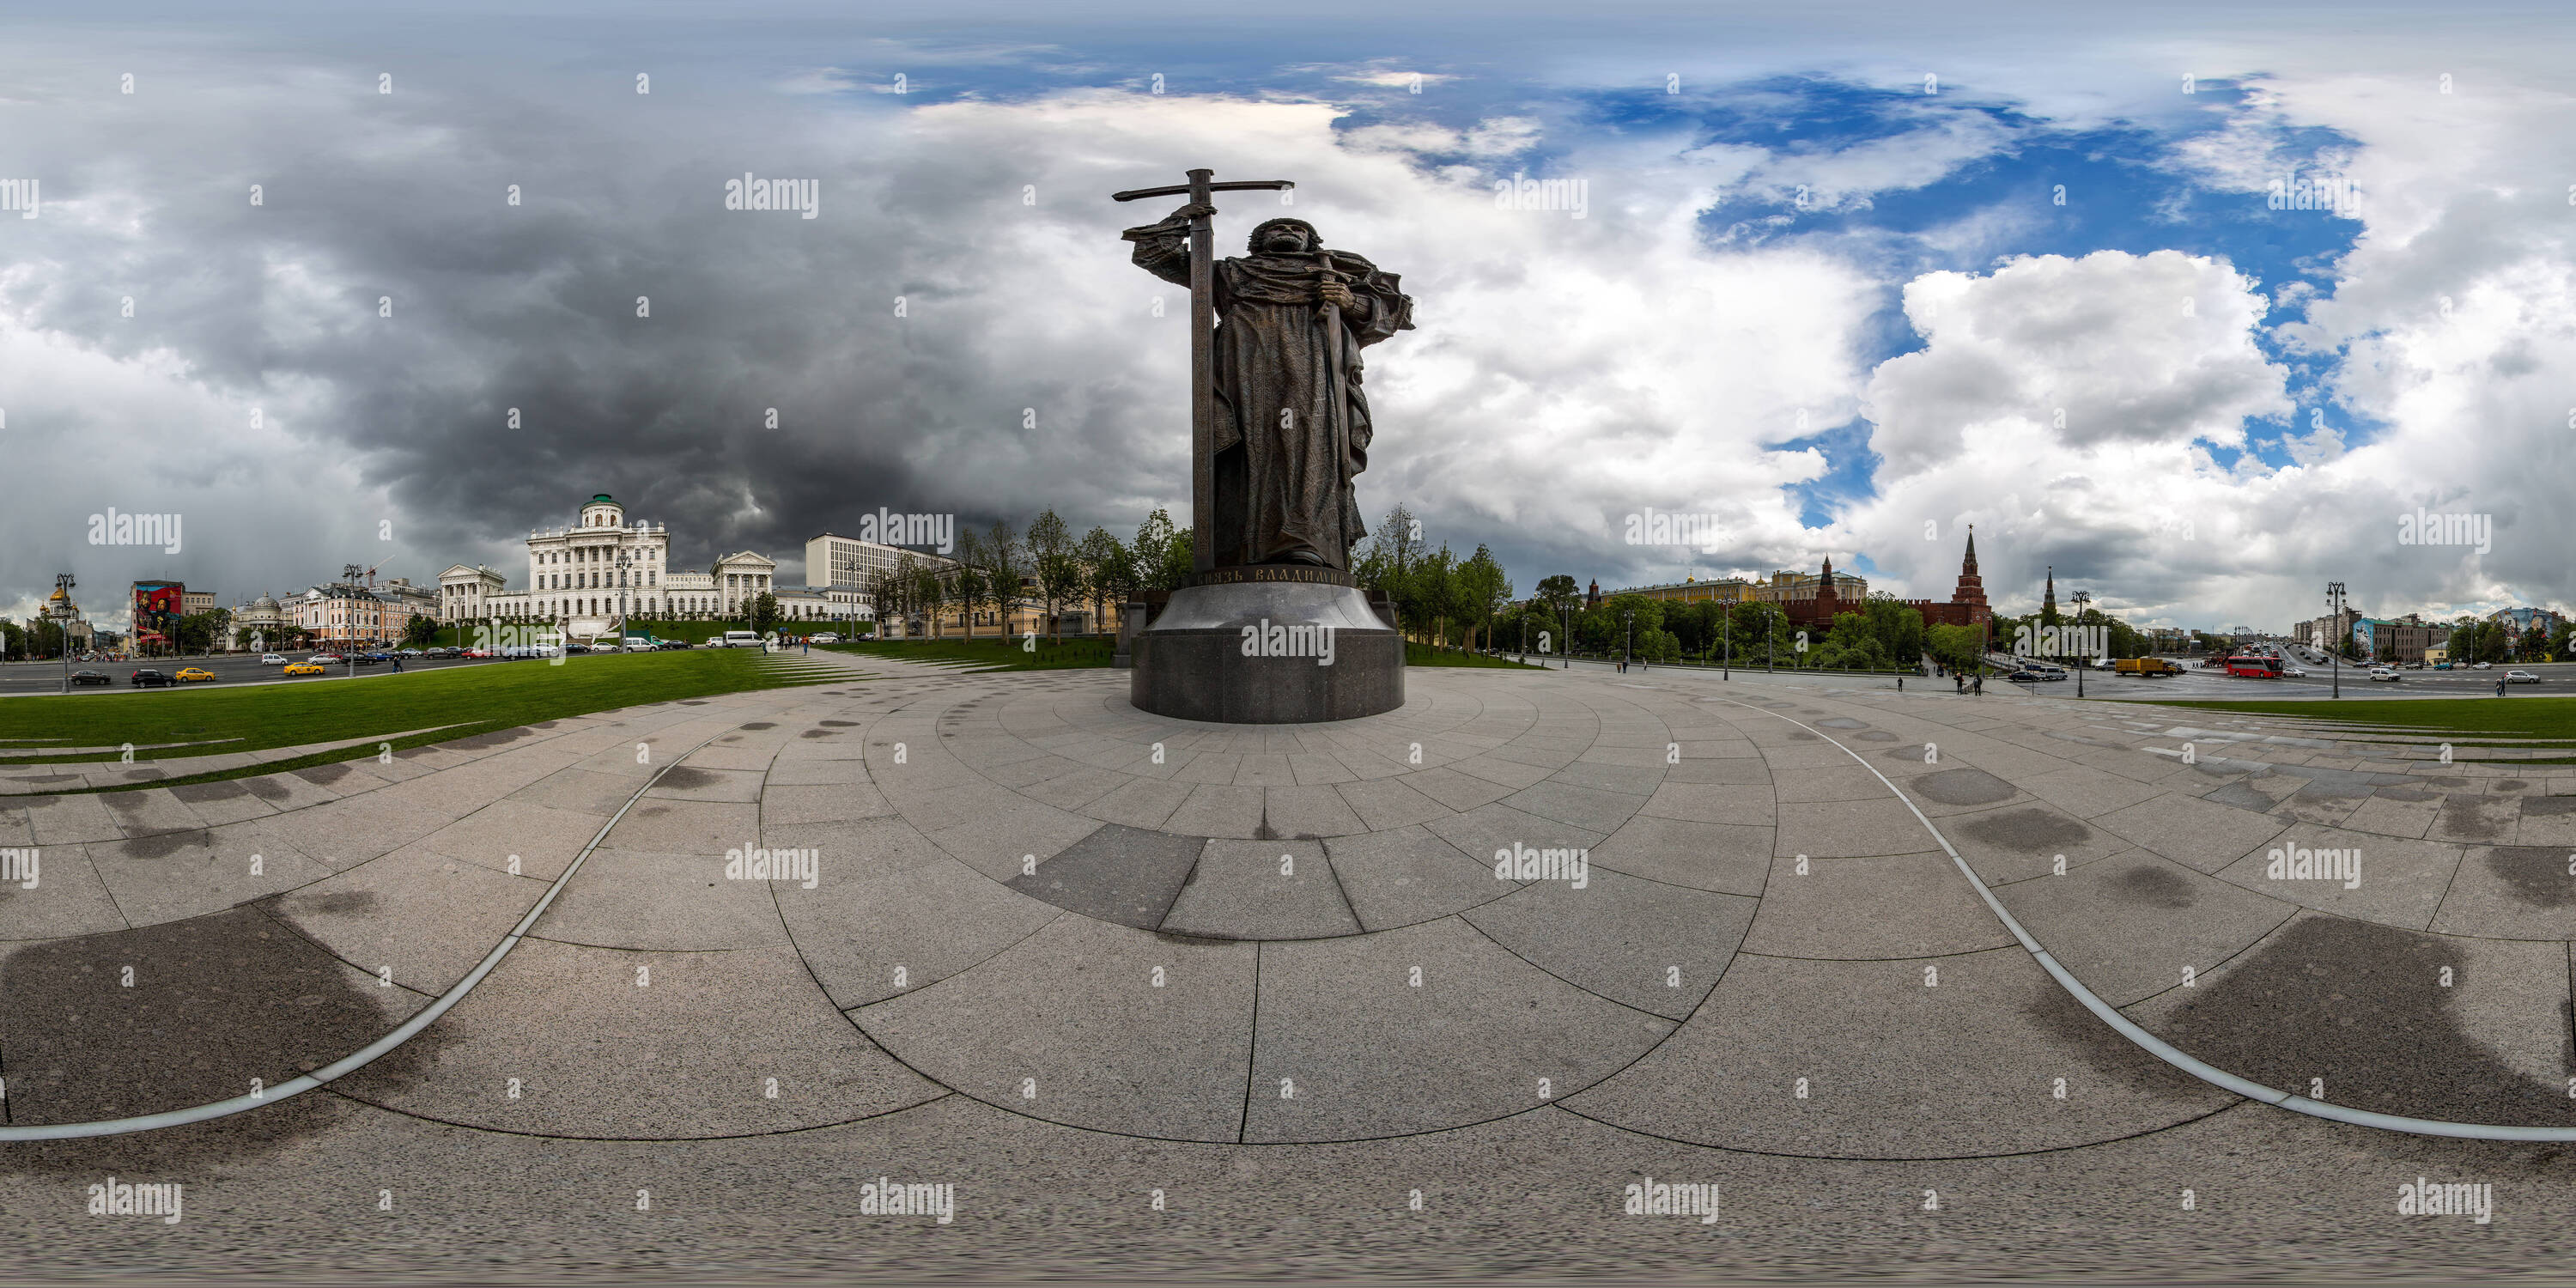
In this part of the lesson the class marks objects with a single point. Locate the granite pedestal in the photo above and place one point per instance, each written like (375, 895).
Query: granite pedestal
(1268, 646)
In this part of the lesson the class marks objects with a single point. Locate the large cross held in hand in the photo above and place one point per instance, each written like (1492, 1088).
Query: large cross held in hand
(1202, 351)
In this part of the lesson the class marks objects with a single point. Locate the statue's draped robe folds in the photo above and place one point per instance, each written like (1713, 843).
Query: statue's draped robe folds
(1292, 423)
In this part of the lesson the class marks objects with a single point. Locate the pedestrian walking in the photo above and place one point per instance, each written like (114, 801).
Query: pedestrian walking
(1981, 686)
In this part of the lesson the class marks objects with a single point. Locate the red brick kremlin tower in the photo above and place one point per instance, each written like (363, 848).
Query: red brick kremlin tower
(1971, 589)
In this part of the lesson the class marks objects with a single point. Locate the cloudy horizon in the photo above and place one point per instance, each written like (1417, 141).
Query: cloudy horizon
(1842, 296)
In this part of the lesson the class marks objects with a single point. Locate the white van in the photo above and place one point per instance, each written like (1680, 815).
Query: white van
(740, 639)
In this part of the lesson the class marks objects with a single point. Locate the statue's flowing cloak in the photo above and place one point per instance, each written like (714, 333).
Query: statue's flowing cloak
(1293, 422)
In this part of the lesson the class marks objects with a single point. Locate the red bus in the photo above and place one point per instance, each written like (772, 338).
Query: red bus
(2261, 668)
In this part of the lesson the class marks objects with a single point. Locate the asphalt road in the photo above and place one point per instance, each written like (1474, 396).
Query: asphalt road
(238, 668)
(2556, 679)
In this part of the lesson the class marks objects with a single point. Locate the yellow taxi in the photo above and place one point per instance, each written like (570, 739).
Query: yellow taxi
(192, 674)
(307, 668)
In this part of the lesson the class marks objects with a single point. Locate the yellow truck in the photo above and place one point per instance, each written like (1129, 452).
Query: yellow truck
(2145, 666)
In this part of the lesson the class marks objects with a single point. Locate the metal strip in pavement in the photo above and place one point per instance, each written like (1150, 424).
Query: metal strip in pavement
(371, 1052)
(2158, 1047)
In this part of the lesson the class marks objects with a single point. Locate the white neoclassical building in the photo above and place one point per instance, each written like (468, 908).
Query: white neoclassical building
(588, 578)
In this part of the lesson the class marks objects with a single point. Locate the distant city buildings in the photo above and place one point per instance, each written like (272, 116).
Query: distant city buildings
(1811, 600)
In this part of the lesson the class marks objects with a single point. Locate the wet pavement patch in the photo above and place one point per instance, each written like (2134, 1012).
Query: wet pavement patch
(1842, 722)
(2242, 797)
(161, 845)
(2536, 874)
(838, 724)
(2547, 806)
(1874, 735)
(267, 789)
(216, 791)
(2361, 1006)
(761, 724)
(2110, 1056)
(1119, 874)
(216, 1001)
(1966, 785)
(322, 775)
(2153, 886)
(478, 742)
(685, 777)
(2031, 831)
(2474, 818)
(818, 733)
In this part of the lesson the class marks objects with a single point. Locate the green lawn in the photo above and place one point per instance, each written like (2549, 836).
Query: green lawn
(2553, 718)
(989, 653)
(1425, 655)
(473, 699)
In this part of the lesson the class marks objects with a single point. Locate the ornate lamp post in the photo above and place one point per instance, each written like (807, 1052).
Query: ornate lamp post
(2334, 601)
(2082, 598)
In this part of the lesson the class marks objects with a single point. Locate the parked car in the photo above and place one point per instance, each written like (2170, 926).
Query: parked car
(741, 639)
(365, 659)
(91, 677)
(306, 668)
(194, 675)
(2441, 666)
(272, 659)
(2480, 666)
(326, 659)
(476, 653)
(2520, 677)
(147, 677)
(2384, 673)
(827, 637)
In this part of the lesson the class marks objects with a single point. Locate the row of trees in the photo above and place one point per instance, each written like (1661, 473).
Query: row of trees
(2478, 640)
(999, 568)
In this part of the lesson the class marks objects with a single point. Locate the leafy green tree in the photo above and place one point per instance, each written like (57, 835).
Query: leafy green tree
(1152, 553)
(763, 613)
(890, 589)
(1107, 572)
(931, 592)
(1558, 592)
(1059, 571)
(966, 580)
(1483, 590)
(420, 632)
(1003, 568)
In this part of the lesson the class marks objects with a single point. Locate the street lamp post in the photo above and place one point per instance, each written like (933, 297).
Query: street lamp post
(63, 587)
(2334, 604)
(1628, 651)
(1565, 645)
(1726, 644)
(2082, 664)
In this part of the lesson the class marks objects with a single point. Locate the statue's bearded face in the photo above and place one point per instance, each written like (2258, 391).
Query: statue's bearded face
(1285, 240)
